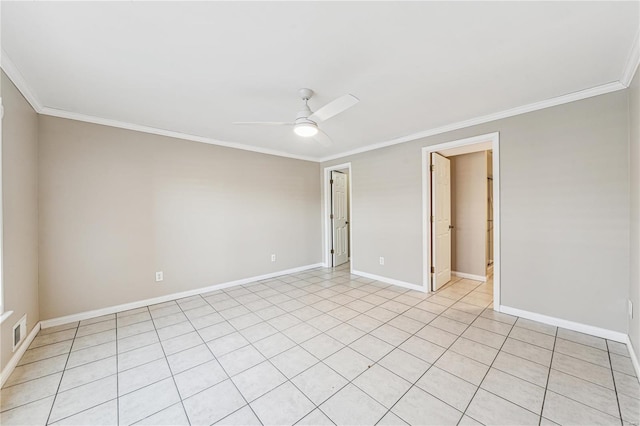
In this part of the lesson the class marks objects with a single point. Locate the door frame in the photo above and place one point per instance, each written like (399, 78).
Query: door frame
(326, 212)
(494, 138)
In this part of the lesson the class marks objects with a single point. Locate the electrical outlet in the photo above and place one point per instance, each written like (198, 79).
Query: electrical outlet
(630, 309)
(382, 260)
(273, 257)
(159, 276)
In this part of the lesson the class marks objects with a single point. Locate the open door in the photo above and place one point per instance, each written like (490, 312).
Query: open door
(440, 221)
(339, 223)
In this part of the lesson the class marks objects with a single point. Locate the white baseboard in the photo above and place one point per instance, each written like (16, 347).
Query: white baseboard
(17, 355)
(390, 281)
(616, 336)
(634, 358)
(140, 303)
(482, 278)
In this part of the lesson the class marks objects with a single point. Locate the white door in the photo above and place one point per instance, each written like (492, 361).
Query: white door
(339, 223)
(441, 220)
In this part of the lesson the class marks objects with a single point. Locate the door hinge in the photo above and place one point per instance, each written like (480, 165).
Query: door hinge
(332, 251)
(331, 216)
(433, 270)
(432, 168)
(431, 219)
(331, 181)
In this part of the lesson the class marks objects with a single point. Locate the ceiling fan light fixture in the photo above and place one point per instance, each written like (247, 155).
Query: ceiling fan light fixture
(306, 130)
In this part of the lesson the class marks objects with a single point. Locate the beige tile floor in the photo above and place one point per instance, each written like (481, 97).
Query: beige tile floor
(321, 347)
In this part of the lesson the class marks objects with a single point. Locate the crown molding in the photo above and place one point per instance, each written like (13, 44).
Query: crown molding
(633, 59)
(169, 133)
(571, 97)
(16, 77)
(632, 63)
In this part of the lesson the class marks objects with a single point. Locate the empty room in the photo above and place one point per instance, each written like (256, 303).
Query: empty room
(319, 213)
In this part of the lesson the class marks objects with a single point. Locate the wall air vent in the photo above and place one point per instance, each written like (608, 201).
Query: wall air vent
(19, 332)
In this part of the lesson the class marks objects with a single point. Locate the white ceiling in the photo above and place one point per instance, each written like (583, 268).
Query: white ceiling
(194, 68)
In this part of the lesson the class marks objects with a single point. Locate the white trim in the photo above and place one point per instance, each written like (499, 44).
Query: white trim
(482, 278)
(426, 196)
(564, 99)
(497, 224)
(633, 59)
(155, 300)
(326, 212)
(5, 316)
(169, 133)
(16, 77)
(634, 357)
(426, 213)
(569, 325)
(10, 69)
(390, 281)
(15, 359)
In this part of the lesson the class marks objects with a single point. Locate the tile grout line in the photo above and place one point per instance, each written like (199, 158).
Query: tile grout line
(218, 362)
(298, 345)
(544, 396)
(55, 397)
(266, 360)
(582, 378)
(464, 413)
(317, 407)
(344, 288)
(613, 379)
(344, 322)
(397, 347)
(436, 360)
(479, 386)
(170, 372)
(117, 378)
(389, 410)
(585, 380)
(77, 327)
(321, 361)
(610, 367)
(109, 318)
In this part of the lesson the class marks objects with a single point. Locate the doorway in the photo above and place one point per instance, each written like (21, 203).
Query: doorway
(471, 223)
(438, 229)
(337, 215)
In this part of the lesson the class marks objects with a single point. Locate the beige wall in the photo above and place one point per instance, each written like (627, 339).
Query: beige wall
(634, 282)
(565, 232)
(118, 205)
(469, 213)
(20, 213)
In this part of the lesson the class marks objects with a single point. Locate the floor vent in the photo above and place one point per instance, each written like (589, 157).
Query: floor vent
(19, 332)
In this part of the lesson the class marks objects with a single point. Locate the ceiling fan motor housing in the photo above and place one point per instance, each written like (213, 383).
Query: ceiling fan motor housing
(303, 126)
(305, 112)
(305, 94)
(306, 126)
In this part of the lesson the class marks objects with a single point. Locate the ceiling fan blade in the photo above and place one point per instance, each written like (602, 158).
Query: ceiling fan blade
(263, 123)
(323, 139)
(334, 107)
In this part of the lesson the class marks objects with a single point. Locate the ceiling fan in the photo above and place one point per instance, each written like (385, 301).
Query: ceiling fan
(306, 123)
